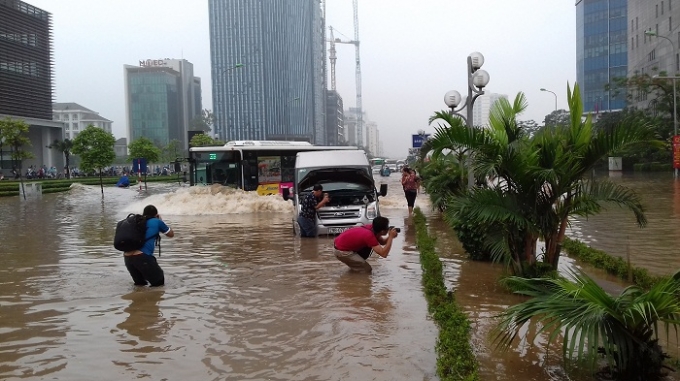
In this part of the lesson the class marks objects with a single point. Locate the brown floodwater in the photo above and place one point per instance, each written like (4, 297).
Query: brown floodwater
(244, 299)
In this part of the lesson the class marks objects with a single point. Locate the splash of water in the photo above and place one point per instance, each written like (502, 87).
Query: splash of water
(211, 200)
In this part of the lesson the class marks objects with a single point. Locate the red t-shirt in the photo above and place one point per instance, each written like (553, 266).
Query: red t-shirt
(356, 238)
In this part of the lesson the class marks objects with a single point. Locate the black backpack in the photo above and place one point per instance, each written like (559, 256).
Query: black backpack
(130, 233)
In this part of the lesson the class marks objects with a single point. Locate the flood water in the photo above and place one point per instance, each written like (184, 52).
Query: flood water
(244, 299)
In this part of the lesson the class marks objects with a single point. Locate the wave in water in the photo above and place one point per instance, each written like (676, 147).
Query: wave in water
(212, 200)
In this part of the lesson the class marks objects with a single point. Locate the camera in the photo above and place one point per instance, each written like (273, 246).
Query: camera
(397, 229)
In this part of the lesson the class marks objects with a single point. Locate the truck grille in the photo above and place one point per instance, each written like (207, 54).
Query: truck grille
(339, 214)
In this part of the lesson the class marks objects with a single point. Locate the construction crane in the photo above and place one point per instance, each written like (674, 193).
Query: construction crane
(360, 116)
(333, 58)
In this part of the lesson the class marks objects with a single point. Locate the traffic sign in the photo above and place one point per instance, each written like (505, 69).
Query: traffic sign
(418, 140)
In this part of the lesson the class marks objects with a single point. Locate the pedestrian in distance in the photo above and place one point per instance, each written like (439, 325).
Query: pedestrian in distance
(411, 184)
(355, 245)
(141, 264)
(308, 207)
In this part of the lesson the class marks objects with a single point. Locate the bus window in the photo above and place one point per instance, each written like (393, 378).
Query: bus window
(225, 173)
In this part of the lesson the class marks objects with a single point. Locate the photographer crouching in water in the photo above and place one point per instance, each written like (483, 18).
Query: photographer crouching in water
(354, 246)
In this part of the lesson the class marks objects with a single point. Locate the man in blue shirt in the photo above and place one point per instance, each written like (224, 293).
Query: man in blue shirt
(308, 207)
(141, 264)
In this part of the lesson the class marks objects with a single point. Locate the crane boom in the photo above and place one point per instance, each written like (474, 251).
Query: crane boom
(360, 121)
(333, 58)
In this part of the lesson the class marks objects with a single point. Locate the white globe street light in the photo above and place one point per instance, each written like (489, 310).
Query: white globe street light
(481, 78)
(477, 81)
(452, 99)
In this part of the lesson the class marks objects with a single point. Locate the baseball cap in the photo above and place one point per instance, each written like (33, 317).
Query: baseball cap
(317, 187)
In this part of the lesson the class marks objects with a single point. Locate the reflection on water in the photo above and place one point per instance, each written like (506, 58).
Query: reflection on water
(616, 232)
(245, 299)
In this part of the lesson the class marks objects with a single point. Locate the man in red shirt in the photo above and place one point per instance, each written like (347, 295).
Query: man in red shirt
(354, 246)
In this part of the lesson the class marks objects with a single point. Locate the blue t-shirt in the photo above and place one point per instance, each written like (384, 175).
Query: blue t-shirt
(154, 226)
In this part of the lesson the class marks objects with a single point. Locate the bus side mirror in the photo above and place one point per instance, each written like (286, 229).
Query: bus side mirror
(383, 190)
(286, 193)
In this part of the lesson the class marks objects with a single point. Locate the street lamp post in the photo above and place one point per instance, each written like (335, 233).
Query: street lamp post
(238, 65)
(218, 122)
(477, 80)
(675, 110)
(675, 115)
(553, 93)
(288, 112)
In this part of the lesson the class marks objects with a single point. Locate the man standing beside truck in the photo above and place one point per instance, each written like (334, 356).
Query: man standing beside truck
(308, 207)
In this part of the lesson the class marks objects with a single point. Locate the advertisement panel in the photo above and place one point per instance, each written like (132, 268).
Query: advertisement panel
(269, 169)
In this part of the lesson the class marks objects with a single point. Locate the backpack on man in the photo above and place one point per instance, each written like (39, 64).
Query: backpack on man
(130, 233)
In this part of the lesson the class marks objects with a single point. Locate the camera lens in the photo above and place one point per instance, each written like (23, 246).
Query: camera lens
(398, 230)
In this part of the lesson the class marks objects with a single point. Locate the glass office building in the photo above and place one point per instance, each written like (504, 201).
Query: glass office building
(601, 52)
(268, 73)
(163, 97)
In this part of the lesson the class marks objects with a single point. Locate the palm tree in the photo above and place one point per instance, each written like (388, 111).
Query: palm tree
(64, 146)
(624, 329)
(532, 185)
(443, 177)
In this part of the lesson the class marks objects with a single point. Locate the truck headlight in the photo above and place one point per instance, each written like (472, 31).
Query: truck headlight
(371, 211)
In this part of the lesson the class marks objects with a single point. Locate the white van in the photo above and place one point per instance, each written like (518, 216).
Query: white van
(347, 178)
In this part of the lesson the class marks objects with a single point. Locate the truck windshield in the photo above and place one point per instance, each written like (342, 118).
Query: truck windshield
(341, 186)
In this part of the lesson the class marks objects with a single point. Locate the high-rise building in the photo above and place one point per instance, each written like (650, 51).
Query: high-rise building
(351, 131)
(372, 138)
(601, 52)
(26, 79)
(335, 119)
(162, 98)
(650, 54)
(482, 108)
(268, 69)
(76, 118)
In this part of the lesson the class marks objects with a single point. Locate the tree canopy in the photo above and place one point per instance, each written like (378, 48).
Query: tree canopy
(14, 133)
(203, 121)
(64, 146)
(202, 140)
(95, 148)
(144, 148)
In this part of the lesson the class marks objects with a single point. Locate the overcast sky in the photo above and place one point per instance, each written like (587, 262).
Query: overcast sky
(412, 53)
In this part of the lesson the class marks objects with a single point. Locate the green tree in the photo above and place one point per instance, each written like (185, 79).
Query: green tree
(203, 121)
(202, 140)
(655, 95)
(172, 151)
(530, 127)
(15, 133)
(64, 146)
(144, 148)
(531, 186)
(557, 118)
(624, 329)
(95, 148)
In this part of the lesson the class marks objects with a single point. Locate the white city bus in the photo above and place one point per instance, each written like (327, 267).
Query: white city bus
(264, 166)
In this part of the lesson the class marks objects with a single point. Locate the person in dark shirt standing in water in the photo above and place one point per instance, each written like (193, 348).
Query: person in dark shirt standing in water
(354, 246)
(308, 207)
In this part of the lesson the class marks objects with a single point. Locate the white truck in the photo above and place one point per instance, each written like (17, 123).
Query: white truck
(347, 178)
